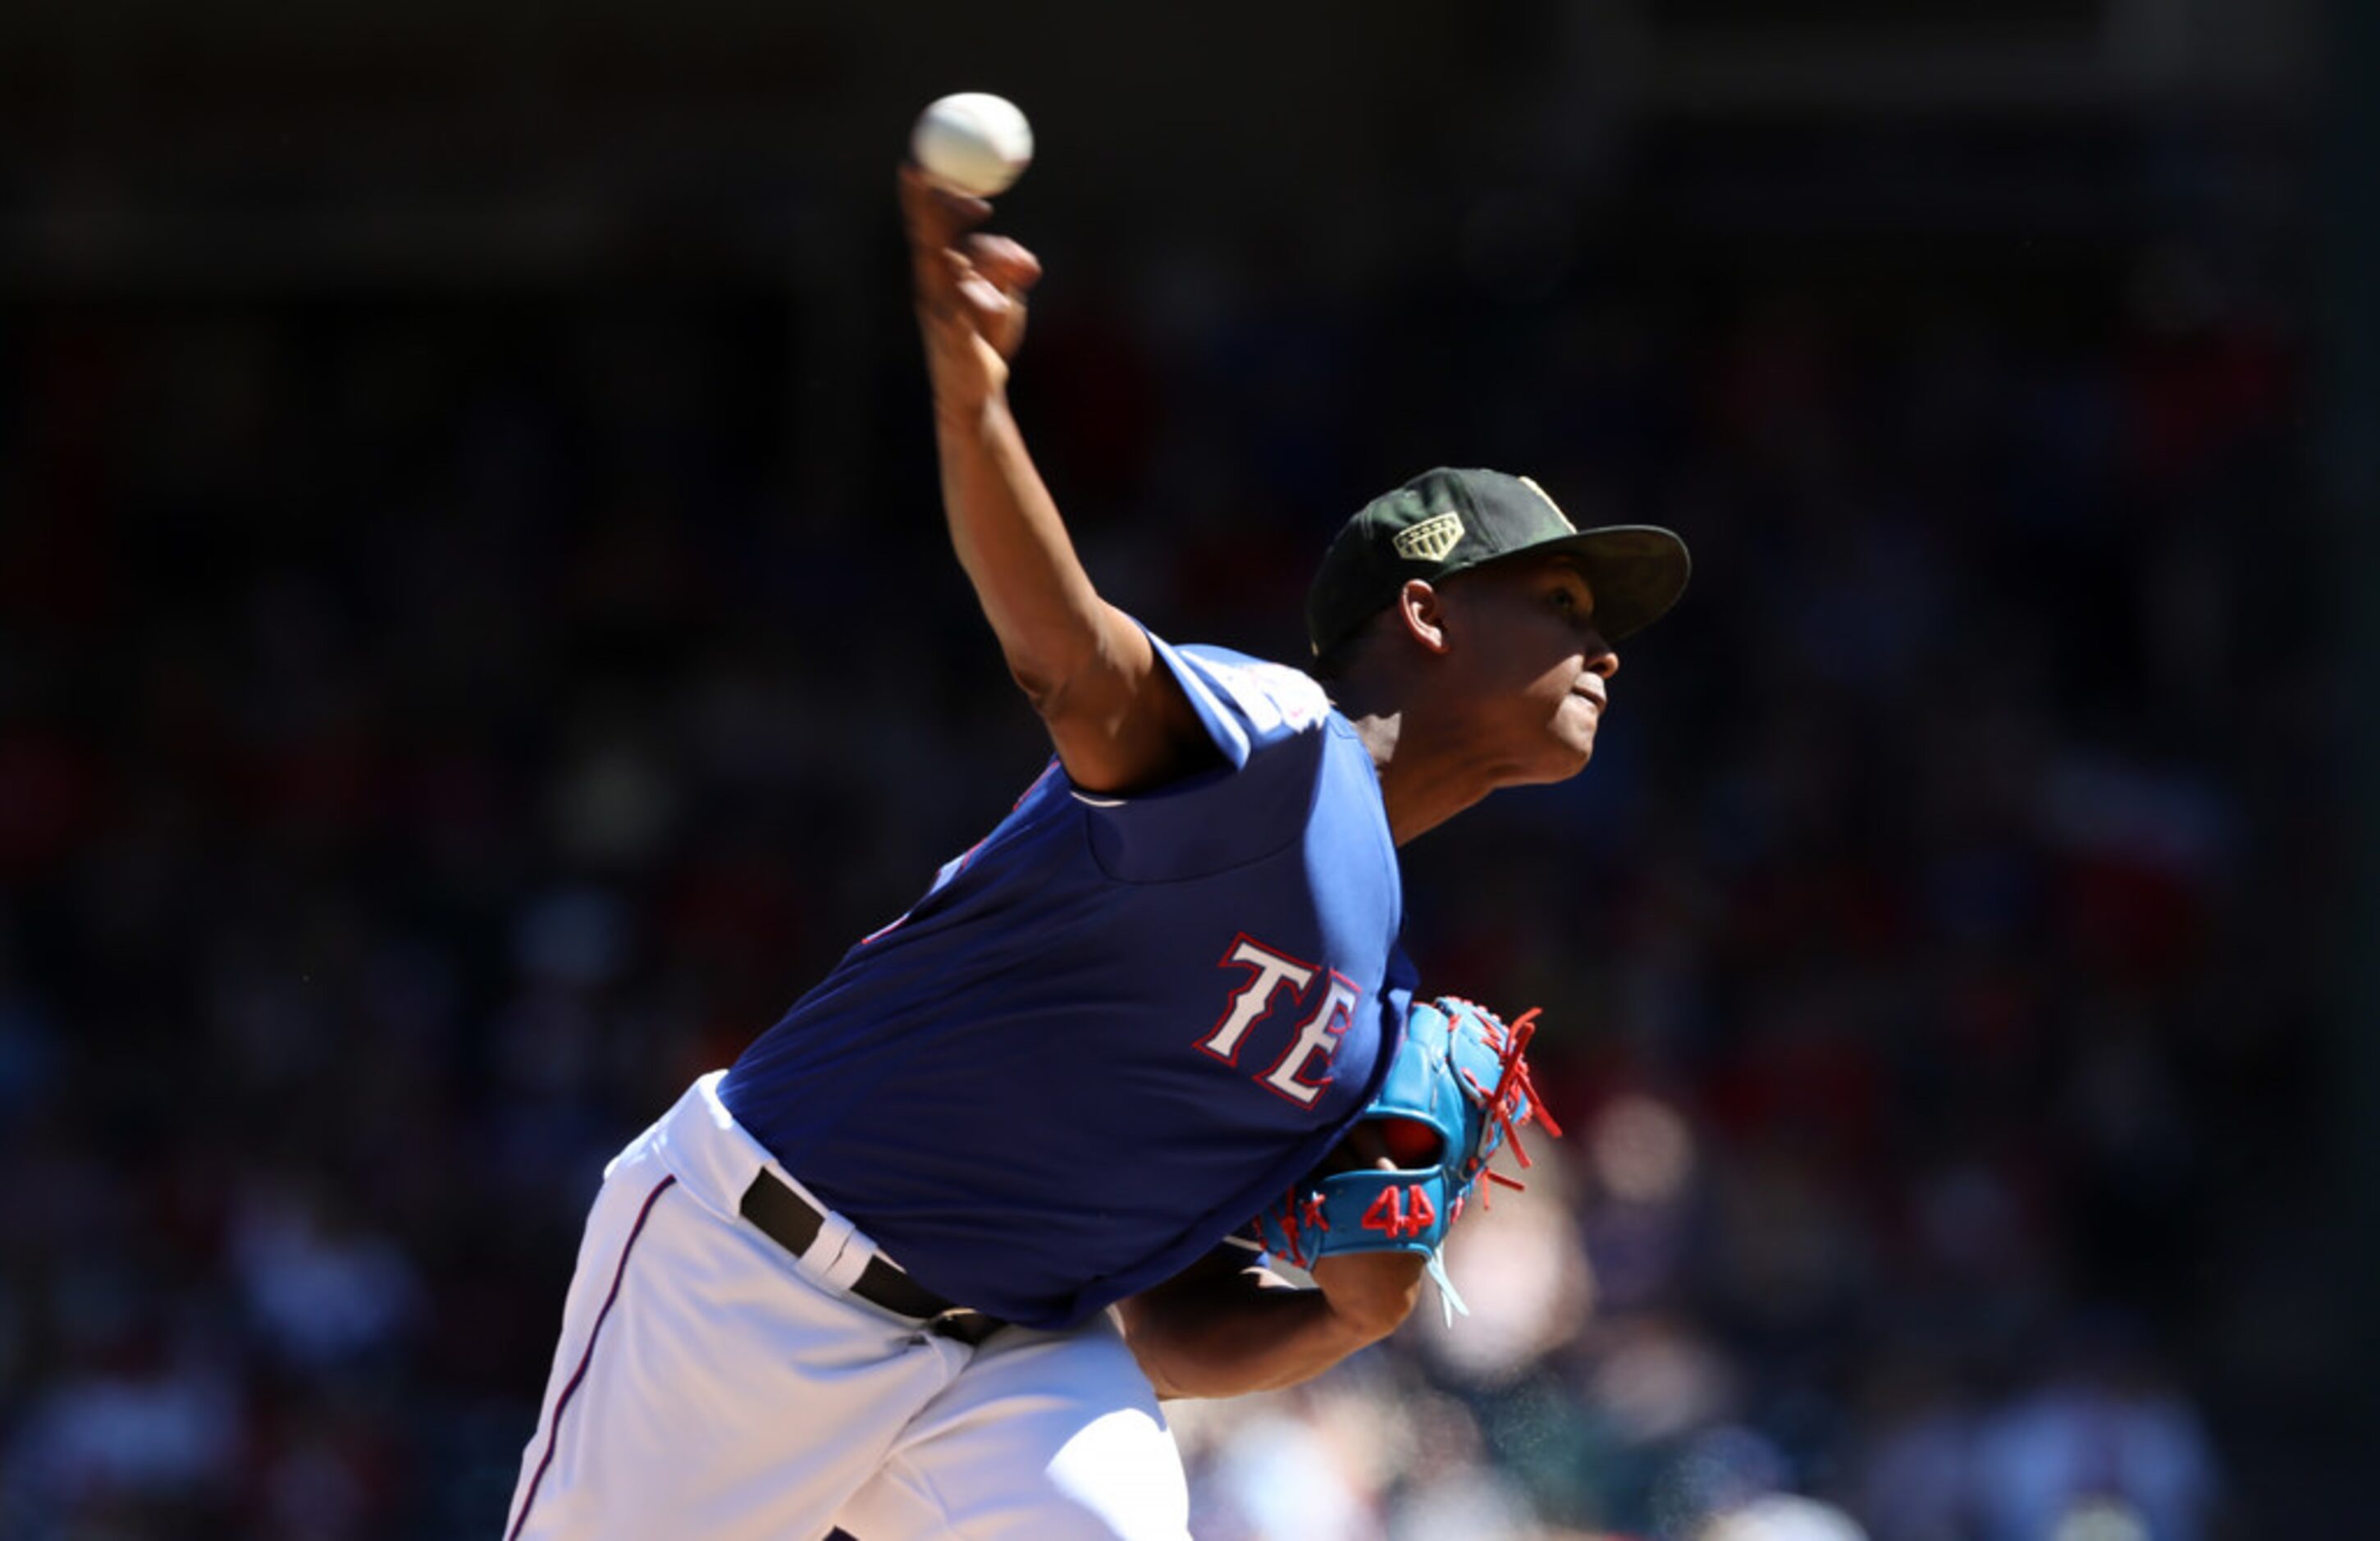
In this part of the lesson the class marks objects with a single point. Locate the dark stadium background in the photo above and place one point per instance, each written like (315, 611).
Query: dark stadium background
(476, 640)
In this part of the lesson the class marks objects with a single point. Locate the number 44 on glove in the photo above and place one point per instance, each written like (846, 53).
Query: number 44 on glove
(1457, 1092)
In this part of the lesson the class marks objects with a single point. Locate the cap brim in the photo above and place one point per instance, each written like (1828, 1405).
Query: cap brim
(1637, 570)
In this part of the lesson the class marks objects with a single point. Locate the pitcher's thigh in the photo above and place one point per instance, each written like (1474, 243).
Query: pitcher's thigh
(1043, 1437)
(704, 1388)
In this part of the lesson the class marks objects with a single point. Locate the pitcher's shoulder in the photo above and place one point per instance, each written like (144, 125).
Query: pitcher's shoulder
(1270, 697)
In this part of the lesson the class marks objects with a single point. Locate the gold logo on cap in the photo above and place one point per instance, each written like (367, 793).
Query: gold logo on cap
(1531, 484)
(1430, 540)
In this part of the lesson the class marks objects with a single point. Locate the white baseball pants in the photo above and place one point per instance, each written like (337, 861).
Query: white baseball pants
(710, 1385)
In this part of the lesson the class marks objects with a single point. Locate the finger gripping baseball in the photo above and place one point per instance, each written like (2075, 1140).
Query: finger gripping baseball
(1459, 1090)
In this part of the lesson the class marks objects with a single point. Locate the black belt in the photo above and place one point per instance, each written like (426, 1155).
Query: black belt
(787, 1218)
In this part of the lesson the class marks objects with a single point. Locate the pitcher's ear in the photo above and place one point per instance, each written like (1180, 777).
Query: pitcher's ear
(1422, 613)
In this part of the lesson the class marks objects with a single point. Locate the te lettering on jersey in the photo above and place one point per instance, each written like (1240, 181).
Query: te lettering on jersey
(1303, 1070)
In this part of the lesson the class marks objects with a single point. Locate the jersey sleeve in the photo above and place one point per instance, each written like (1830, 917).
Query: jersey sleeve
(1269, 726)
(1246, 705)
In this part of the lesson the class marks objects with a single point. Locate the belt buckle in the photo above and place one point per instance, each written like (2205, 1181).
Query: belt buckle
(963, 1323)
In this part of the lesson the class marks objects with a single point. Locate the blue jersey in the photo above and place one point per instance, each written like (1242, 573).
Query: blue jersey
(1114, 1029)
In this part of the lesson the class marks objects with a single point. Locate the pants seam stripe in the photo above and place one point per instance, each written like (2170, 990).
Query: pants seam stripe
(585, 1357)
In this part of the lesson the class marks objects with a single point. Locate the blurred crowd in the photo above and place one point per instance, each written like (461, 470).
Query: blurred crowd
(434, 726)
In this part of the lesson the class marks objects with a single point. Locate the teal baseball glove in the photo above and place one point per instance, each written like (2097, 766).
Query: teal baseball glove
(1457, 1092)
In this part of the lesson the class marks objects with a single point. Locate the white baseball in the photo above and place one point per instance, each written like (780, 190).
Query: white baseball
(974, 143)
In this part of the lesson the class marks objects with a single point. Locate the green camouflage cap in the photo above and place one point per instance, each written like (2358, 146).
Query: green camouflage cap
(1446, 521)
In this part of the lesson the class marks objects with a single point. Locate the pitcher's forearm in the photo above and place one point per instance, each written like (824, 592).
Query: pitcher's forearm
(1259, 1341)
(1014, 546)
(1222, 1329)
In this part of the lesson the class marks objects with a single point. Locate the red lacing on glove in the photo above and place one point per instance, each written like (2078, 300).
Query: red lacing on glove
(1297, 1217)
(1504, 1102)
